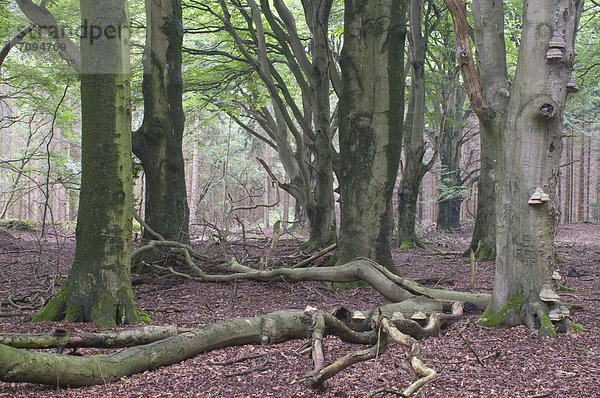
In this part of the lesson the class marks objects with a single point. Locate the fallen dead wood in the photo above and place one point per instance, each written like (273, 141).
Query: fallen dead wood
(393, 287)
(18, 365)
(112, 339)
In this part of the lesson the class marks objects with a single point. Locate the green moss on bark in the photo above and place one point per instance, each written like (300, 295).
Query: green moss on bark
(103, 313)
(144, 317)
(411, 244)
(546, 327)
(483, 254)
(577, 327)
(54, 310)
(492, 319)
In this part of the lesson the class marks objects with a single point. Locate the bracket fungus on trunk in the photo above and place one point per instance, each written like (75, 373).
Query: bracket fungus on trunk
(539, 197)
(572, 86)
(556, 45)
(548, 295)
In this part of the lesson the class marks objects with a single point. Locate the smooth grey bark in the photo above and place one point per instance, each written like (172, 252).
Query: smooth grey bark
(301, 135)
(370, 122)
(532, 143)
(98, 287)
(413, 143)
(491, 59)
(321, 213)
(528, 125)
(158, 142)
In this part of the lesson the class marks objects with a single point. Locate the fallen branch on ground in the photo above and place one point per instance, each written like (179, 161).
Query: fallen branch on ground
(17, 365)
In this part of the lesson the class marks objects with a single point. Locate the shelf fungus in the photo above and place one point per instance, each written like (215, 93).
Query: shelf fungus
(539, 197)
(556, 45)
(556, 276)
(418, 316)
(572, 86)
(554, 54)
(557, 40)
(547, 294)
(558, 313)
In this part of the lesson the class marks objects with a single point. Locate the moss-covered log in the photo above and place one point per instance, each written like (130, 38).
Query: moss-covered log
(47, 368)
(111, 339)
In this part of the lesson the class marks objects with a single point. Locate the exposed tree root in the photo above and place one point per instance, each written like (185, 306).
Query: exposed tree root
(393, 287)
(17, 365)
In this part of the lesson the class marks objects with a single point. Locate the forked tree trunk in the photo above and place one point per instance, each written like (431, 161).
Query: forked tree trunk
(321, 212)
(158, 141)
(527, 136)
(413, 144)
(98, 287)
(370, 122)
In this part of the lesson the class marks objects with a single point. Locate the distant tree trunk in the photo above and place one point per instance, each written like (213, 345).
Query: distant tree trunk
(323, 221)
(581, 190)
(448, 218)
(98, 287)
(491, 59)
(413, 144)
(158, 141)
(370, 122)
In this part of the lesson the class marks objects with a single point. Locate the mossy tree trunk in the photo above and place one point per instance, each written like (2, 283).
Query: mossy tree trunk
(321, 212)
(157, 143)
(98, 287)
(370, 121)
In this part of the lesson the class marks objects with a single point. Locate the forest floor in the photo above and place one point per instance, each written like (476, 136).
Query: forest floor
(513, 362)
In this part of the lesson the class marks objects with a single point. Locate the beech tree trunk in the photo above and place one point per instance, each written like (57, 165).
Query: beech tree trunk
(98, 287)
(491, 58)
(370, 119)
(158, 141)
(413, 144)
(532, 145)
(321, 212)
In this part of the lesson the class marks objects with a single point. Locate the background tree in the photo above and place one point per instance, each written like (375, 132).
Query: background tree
(296, 122)
(413, 144)
(370, 121)
(158, 141)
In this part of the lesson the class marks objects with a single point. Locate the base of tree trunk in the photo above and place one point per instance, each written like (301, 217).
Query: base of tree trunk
(107, 311)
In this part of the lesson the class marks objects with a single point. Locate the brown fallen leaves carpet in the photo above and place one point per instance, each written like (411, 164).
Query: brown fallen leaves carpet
(471, 360)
